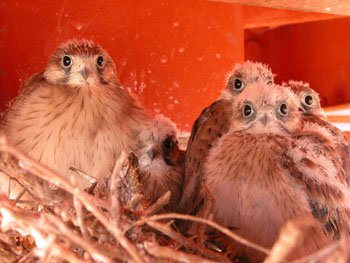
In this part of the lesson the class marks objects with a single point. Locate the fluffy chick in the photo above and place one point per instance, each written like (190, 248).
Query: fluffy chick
(265, 171)
(161, 162)
(212, 123)
(75, 113)
(314, 121)
(309, 99)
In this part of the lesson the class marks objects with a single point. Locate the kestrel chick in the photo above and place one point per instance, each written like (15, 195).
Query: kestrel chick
(309, 98)
(75, 113)
(314, 120)
(161, 162)
(264, 172)
(213, 123)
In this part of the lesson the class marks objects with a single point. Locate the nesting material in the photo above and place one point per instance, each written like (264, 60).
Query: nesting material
(113, 222)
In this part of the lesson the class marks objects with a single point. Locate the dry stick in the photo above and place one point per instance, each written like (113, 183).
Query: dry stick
(159, 204)
(10, 177)
(79, 211)
(290, 235)
(222, 229)
(27, 258)
(79, 217)
(115, 207)
(86, 245)
(27, 224)
(317, 256)
(60, 181)
(186, 242)
(47, 223)
(19, 196)
(66, 254)
(169, 253)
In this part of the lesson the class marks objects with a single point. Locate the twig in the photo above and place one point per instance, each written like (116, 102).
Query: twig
(84, 175)
(62, 229)
(290, 235)
(19, 196)
(320, 254)
(186, 242)
(79, 216)
(113, 195)
(25, 185)
(62, 182)
(27, 258)
(159, 204)
(178, 256)
(222, 229)
(56, 249)
(45, 224)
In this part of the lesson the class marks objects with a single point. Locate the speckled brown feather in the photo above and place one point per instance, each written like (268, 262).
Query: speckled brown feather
(63, 119)
(256, 191)
(324, 197)
(260, 176)
(337, 139)
(212, 123)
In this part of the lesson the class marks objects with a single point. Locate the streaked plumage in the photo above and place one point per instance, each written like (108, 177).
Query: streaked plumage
(309, 98)
(266, 170)
(161, 162)
(314, 120)
(75, 113)
(212, 123)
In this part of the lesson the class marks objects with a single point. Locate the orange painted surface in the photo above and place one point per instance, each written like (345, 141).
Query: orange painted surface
(316, 52)
(172, 54)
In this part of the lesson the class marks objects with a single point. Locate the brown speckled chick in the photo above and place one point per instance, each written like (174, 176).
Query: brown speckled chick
(213, 123)
(314, 121)
(75, 113)
(309, 98)
(266, 170)
(161, 162)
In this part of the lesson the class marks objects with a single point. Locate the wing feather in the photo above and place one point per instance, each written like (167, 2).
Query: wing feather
(212, 123)
(317, 166)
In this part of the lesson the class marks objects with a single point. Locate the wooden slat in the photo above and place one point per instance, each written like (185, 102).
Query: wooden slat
(339, 114)
(257, 17)
(330, 110)
(339, 7)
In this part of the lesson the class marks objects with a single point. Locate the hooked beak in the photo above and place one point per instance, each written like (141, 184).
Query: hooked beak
(266, 116)
(152, 152)
(85, 73)
(265, 119)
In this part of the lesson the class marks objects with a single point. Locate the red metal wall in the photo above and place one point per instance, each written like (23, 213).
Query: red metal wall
(316, 52)
(173, 54)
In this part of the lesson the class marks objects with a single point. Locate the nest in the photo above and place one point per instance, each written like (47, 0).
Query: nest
(113, 222)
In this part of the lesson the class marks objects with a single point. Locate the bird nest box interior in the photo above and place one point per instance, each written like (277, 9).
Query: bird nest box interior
(175, 57)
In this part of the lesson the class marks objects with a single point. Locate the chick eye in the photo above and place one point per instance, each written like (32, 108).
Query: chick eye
(269, 82)
(248, 111)
(283, 109)
(66, 61)
(168, 143)
(100, 61)
(238, 84)
(308, 100)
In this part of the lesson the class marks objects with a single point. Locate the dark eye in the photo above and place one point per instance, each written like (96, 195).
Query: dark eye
(269, 82)
(308, 100)
(100, 61)
(66, 61)
(168, 143)
(283, 109)
(247, 111)
(238, 84)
